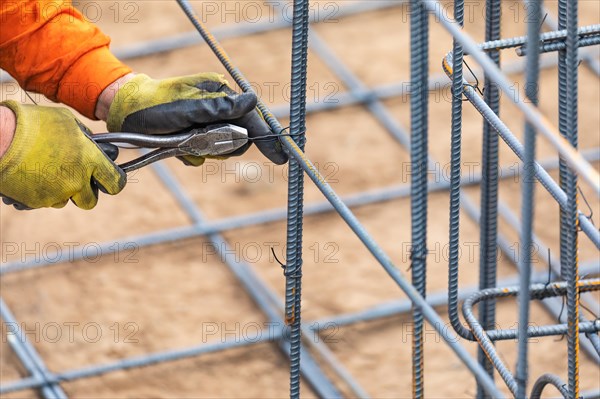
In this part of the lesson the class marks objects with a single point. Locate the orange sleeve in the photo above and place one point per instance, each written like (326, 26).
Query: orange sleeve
(50, 48)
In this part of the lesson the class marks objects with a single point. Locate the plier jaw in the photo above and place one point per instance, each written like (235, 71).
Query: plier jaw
(212, 140)
(217, 141)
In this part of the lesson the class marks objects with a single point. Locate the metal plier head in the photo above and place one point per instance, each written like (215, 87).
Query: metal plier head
(212, 140)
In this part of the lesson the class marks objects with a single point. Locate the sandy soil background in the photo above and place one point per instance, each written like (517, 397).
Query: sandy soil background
(172, 295)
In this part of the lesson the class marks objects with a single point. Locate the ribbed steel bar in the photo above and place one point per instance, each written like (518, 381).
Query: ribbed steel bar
(565, 229)
(558, 46)
(293, 268)
(570, 267)
(548, 379)
(541, 123)
(545, 38)
(488, 222)
(29, 357)
(542, 175)
(419, 155)
(455, 181)
(527, 197)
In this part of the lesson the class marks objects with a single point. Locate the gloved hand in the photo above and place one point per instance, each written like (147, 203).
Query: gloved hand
(52, 159)
(145, 105)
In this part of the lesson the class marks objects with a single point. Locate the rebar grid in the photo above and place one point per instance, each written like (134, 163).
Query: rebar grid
(571, 163)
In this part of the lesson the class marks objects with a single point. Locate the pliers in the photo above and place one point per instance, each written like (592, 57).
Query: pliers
(215, 140)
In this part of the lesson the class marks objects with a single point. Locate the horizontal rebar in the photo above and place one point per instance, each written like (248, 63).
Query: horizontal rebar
(544, 38)
(558, 46)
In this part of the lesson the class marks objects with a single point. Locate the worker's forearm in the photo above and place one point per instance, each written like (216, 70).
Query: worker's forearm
(108, 94)
(8, 123)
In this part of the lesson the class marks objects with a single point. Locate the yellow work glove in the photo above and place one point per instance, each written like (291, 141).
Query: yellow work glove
(145, 105)
(52, 159)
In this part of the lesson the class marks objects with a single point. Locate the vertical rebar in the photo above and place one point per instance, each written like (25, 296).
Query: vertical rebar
(455, 177)
(419, 71)
(563, 171)
(488, 232)
(293, 270)
(570, 262)
(528, 185)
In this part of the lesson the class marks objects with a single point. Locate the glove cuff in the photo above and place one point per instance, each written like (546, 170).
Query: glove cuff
(118, 109)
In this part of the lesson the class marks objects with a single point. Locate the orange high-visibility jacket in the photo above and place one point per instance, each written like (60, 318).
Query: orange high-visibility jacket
(50, 48)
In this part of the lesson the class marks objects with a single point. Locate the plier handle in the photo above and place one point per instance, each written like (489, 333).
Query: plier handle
(215, 140)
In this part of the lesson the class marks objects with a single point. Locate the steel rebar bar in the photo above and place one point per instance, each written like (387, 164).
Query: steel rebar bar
(293, 267)
(489, 188)
(548, 379)
(527, 197)
(419, 156)
(571, 272)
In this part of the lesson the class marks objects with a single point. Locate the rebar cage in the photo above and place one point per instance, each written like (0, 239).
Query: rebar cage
(563, 280)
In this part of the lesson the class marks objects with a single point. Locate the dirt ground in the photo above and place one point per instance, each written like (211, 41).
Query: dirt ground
(175, 295)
